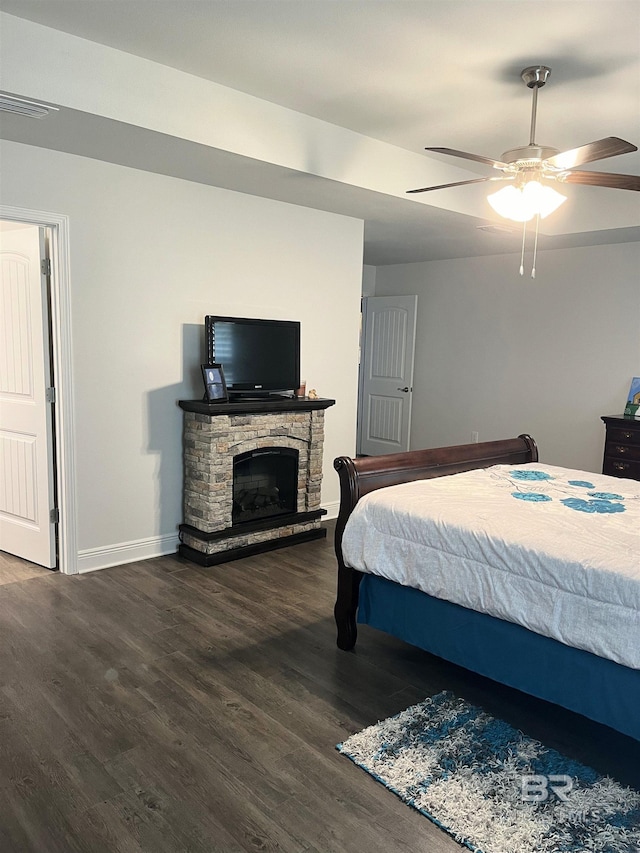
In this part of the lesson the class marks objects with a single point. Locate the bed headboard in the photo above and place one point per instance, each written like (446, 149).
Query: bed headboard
(367, 473)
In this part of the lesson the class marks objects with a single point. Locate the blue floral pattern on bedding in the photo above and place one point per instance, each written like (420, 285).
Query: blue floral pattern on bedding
(596, 502)
(583, 505)
(531, 475)
(606, 496)
(530, 496)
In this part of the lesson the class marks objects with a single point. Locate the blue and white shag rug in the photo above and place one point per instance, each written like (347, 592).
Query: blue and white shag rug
(491, 787)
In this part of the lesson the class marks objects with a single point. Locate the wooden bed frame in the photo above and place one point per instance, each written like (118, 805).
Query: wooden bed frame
(595, 687)
(360, 476)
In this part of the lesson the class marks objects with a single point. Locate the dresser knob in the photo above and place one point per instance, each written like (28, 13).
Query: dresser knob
(627, 435)
(621, 466)
(620, 448)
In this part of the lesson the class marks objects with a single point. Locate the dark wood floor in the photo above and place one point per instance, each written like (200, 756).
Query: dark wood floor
(160, 706)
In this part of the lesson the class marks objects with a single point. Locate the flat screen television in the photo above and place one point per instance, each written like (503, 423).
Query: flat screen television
(259, 357)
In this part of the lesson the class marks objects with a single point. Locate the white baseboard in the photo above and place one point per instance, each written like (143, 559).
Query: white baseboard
(93, 559)
(332, 509)
(126, 552)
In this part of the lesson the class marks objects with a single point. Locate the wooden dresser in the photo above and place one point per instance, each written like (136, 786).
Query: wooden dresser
(622, 447)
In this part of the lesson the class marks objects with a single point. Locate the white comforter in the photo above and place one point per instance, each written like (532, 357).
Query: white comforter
(554, 550)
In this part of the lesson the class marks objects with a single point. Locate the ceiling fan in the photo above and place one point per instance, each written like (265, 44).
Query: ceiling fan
(531, 168)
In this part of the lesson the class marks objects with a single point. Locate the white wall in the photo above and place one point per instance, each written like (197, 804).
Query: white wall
(503, 355)
(368, 280)
(150, 256)
(95, 79)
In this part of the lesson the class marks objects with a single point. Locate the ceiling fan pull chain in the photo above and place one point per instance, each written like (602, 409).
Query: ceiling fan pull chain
(535, 247)
(524, 235)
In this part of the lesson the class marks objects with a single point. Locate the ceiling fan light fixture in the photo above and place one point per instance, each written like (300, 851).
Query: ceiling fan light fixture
(521, 204)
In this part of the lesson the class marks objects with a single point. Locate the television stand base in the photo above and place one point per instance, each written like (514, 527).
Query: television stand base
(259, 395)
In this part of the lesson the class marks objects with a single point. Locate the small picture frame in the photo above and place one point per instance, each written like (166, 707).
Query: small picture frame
(632, 408)
(215, 387)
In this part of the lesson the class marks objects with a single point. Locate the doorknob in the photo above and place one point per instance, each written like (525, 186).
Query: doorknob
(405, 389)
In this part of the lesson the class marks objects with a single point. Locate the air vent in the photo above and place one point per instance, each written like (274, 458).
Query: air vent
(22, 107)
(496, 229)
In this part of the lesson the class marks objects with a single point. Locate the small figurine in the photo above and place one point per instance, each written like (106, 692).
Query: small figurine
(313, 394)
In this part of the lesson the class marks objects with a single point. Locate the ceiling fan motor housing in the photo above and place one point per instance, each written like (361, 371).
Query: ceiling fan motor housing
(528, 155)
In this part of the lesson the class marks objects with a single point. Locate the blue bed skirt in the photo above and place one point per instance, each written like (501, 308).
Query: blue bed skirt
(595, 687)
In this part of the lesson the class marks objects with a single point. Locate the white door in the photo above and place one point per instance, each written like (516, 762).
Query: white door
(26, 433)
(386, 374)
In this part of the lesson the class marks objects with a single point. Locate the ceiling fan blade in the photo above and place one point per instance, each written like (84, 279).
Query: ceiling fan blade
(611, 146)
(456, 184)
(604, 179)
(497, 164)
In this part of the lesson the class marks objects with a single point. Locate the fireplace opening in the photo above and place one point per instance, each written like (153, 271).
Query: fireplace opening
(265, 483)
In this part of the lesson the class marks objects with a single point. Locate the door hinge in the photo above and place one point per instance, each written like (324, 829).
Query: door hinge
(54, 515)
(45, 266)
(50, 395)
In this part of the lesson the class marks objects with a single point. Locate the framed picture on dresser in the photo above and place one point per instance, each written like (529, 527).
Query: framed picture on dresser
(632, 407)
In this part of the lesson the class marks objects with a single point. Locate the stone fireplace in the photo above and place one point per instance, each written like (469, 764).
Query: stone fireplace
(252, 476)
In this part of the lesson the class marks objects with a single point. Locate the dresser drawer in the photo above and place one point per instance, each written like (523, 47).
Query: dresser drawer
(615, 466)
(622, 451)
(624, 435)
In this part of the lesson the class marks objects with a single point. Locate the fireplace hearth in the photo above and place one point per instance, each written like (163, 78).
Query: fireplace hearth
(252, 476)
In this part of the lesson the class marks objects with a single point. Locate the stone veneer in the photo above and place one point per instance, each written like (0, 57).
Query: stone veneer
(213, 435)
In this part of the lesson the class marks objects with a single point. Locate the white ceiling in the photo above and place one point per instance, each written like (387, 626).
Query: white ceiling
(412, 74)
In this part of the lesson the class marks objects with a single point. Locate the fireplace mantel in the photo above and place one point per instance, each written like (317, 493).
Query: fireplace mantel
(217, 433)
(257, 405)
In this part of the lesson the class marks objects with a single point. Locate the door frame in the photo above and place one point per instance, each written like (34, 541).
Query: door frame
(62, 367)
